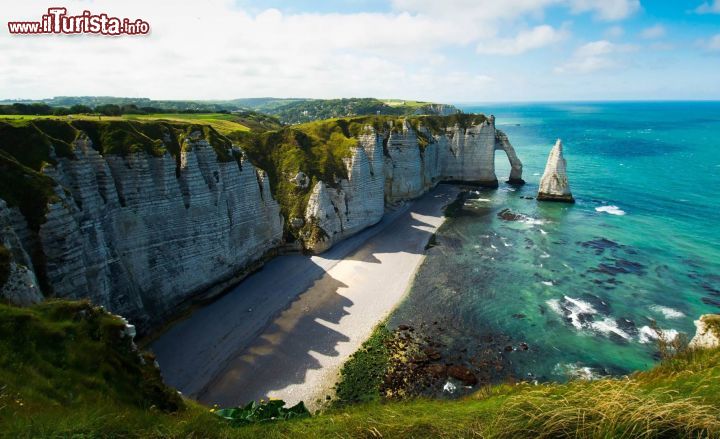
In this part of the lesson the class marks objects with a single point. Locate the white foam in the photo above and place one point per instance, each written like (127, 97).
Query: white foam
(648, 334)
(548, 283)
(608, 326)
(612, 210)
(537, 173)
(544, 255)
(669, 313)
(575, 371)
(449, 387)
(487, 200)
(533, 221)
(574, 307)
(543, 232)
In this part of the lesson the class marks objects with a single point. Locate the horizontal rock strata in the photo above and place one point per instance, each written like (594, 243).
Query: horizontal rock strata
(554, 184)
(141, 234)
(389, 166)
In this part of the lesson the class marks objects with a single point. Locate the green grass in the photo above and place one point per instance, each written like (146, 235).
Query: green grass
(66, 371)
(361, 377)
(223, 123)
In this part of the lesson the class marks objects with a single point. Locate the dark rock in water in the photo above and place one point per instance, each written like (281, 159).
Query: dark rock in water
(463, 374)
(524, 346)
(508, 348)
(710, 289)
(519, 316)
(709, 301)
(627, 325)
(403, 327)
(508, 215)
(621, 266)
(437, 371)
(617, 339)
(630, 266)
(600, 245)
(432, 353)
(599, 304)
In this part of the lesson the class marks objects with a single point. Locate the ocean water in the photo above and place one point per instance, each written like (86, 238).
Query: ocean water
(549, 291)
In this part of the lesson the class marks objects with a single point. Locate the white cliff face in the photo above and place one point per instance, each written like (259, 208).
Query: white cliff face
(356, 203)
(705, 336)
(554, 184)
(140, 235)
(392, 166)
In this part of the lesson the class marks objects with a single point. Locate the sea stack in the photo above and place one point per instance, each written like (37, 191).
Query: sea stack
(554, 184)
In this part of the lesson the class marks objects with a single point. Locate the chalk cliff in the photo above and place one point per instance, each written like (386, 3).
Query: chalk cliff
(554, 184)
(707, 335)
(142, 218)
(415, 160)
(140, 234)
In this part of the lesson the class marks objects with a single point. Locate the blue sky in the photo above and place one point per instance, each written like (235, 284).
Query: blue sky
(450, 50)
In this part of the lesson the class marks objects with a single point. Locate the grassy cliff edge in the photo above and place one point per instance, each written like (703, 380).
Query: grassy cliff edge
(66, 369)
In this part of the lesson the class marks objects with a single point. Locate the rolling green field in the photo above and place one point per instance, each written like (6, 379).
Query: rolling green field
(223, 123)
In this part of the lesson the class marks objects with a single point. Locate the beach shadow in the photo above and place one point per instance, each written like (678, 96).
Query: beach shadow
(233, 338)
(286, 350)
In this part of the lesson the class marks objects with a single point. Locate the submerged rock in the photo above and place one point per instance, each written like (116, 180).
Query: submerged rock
(554, 184)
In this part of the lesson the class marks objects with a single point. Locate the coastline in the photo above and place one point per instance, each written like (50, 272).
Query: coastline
(308, 314)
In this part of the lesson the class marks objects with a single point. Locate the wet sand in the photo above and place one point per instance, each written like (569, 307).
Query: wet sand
(285, 331)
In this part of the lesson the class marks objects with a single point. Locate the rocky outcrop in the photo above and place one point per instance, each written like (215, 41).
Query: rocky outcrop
(355, 203)
(554, 184)
(397, 164)
(707, 335)
(141, 234)
(20, 285)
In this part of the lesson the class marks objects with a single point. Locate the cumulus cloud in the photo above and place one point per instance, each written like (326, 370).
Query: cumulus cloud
(653, 32)
(217, 49)
(608, 10)
(709, 8)
(535, 38)
(595, 56)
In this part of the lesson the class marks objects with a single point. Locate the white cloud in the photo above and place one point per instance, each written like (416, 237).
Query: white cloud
(608, 10)
(595, 56)
(711, 44)
(614, 32)
(535, 38)
(653, 32)
(709, 8)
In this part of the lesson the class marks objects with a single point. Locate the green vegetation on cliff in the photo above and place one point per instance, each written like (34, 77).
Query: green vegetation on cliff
(67, 370)
(320, 149)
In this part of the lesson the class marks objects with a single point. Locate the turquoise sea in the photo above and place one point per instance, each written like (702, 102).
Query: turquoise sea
(549, 291)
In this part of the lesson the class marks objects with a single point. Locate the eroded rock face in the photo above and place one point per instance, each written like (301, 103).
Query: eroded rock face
(141, 234)
(554, 184)
(391, 166)
(21, 286)
(706, 336)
